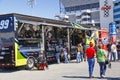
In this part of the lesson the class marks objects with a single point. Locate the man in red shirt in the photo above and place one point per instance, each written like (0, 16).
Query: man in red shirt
(90, 55)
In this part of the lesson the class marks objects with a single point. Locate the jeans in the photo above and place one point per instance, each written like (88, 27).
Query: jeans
(114, 56)
(91, 63)
(66, 57)
(78, 57)
(118, 55)
(102, 68)
(58, 57)
(109, 54)
(81, 56)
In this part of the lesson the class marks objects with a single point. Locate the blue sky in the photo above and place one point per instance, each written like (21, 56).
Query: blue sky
(42, 8)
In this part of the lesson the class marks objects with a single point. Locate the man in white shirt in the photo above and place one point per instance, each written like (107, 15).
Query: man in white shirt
(113, 52)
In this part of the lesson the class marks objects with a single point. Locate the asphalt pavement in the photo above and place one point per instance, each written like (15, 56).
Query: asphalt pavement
(62, 71)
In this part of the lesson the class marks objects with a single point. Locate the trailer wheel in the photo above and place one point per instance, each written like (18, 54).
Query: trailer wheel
(30, 63)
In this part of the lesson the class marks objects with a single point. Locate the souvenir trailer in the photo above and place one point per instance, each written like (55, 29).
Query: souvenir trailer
(23, 38)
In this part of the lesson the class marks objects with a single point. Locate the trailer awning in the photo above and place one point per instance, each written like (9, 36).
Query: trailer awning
(77, 26)
(42, 23)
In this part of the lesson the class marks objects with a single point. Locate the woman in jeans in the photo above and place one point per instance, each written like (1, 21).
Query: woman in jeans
(101, 58)
(79, 56)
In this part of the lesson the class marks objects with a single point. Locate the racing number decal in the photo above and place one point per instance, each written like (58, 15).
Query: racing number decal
(4, 24)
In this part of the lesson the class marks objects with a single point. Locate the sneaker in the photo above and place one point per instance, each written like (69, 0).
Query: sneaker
(109, 65)
(91, 77)
(102, 76)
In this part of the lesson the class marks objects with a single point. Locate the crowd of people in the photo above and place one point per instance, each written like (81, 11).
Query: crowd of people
(103, 56)
(113, 51)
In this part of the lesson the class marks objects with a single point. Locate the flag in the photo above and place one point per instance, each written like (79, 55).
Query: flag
(77, 26)
(74, 25)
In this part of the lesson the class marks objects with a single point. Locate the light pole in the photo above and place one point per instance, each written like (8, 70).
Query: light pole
(31, 3)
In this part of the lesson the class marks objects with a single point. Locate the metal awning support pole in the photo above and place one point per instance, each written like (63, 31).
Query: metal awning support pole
(21, 27)
(68, 36)
(85, 40)
(43, 39)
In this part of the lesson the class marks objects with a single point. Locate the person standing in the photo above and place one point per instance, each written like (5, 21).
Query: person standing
(118, 50)
(113, 51)
(65, 54)
(57, 51)
(90, 55)
(79, 55)
(81, 52)
(109, 49)
(69, 57)
(101, 58)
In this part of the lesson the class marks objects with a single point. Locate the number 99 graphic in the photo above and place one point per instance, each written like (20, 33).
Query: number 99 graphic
(4, 24)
